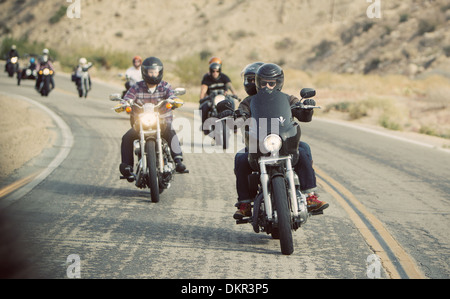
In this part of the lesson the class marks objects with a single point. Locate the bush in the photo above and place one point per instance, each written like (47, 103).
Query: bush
(61, 12)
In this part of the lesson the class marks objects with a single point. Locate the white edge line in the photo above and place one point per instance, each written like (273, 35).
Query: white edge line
(67, 144)
(384, 134)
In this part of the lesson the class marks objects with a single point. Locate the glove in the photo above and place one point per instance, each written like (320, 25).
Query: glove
(118, 108)
(239, 113)
(178, 103)
(226, 113)
(309, 102)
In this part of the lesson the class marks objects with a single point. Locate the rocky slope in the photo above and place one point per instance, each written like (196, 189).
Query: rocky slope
(410, 37)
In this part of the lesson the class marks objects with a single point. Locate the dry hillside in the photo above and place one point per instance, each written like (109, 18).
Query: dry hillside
(411, 36)
(393, 70)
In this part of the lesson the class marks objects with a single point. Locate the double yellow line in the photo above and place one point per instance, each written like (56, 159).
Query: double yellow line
(397, 263)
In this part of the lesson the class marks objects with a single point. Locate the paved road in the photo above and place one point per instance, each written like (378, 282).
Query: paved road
(379, 189)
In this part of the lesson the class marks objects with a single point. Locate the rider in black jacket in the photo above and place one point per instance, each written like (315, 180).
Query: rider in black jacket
(258, 76)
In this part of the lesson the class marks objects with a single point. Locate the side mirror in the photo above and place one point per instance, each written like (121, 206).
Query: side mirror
(306, 93)
(115, 97)
(180, 91)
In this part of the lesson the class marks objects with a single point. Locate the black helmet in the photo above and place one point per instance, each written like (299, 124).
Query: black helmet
(215, 66)
(152, 63)
(270, 71)
(249, 73)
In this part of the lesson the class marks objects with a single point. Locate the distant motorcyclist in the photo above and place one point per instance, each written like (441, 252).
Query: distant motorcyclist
(11, 53)
(133, 74)
(270, 76)
(213, 80)
(81, 73)
(44, 62)
(151, 90)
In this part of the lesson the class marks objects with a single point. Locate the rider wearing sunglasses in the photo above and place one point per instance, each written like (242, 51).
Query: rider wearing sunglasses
(270, 76)
(213, 80)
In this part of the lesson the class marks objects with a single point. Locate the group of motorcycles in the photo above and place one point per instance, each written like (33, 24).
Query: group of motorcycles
(279, 207)
(31, 72)
(44, 76)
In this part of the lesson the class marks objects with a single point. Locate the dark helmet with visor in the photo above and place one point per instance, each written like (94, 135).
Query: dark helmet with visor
(249, 73)
(152, 70)
(270, 73)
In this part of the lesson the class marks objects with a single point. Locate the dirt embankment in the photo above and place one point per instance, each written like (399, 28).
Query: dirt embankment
(24, 133)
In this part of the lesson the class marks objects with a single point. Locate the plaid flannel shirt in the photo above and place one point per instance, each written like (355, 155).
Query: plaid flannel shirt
(140, 94)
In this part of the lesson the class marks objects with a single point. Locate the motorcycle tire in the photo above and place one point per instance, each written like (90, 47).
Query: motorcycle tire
(153, 184)
(225, 135)
(283, 213)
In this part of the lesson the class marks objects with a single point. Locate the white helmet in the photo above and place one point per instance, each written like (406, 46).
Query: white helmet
(82, 61)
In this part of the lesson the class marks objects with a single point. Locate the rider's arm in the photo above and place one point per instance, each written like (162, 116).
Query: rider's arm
(303, 115)
(230, 87)
(244, 108)
(203, 91)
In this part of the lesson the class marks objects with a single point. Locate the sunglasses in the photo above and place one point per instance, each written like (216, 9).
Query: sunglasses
(270, 83)
(215, 71)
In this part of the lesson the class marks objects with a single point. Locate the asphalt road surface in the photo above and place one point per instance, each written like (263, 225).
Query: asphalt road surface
(388, 215)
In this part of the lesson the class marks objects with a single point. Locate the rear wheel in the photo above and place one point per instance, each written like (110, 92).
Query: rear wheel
(283, 214)
(152, 172)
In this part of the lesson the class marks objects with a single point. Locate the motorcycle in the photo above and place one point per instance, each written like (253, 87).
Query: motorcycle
(218, 102)
(29, 73)
(155, 166)
(12, 65)
(45, 76)
(83, 81)
(273, 137)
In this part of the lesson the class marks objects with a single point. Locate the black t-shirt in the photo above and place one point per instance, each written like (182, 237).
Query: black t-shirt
(213, 84)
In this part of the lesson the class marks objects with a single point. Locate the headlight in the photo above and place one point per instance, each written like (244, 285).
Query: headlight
(219, 98)
(14, 59)
(46, 72)
(272, 143)
(148, 119)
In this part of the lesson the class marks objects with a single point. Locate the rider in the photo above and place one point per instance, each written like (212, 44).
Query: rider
(44, 62)
(82, 67)
(271, 76)
(12, 53)
(151, 90)
(133, 74)
(213, 80)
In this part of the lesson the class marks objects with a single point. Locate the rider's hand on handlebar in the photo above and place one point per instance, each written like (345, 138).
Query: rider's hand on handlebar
(177, 103)
(119, 108)
(226, 113)
(309, 102)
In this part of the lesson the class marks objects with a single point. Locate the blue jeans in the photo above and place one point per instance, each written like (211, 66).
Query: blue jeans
(303, 168)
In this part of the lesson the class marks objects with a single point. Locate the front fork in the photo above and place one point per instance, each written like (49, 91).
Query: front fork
(299, 209)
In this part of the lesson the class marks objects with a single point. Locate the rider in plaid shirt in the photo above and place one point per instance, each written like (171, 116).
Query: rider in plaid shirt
(151, 90)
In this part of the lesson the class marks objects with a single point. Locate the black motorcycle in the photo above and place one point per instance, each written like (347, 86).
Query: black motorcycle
(44, 78)
(155, 166)
(12, 65)
(218, 102)
(273, 138)
(29, 73)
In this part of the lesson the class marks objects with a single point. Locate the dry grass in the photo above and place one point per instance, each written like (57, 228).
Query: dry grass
(393, 101)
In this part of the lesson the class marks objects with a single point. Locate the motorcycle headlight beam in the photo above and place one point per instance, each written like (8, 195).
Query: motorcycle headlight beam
(272, 143)
(148, 120)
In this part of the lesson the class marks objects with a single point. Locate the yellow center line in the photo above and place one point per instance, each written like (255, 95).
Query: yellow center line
(352, 209)
(17, 185)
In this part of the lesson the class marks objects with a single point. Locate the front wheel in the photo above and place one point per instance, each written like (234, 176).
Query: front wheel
(283, 214)
(150, 146)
